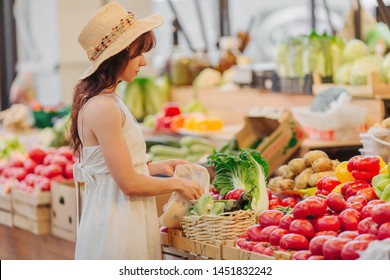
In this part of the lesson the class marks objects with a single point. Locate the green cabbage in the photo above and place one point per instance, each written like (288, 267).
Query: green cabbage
(342, 74)
(247, 171)
(354, 50)
(364, 67)
(378, 38)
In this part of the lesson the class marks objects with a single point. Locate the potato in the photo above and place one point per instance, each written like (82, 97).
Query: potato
(285, 172)
(286, 184)
(317, 176)
(311, 157)
(273, 183)
(297, 165)
(301, 181)
(322, 164)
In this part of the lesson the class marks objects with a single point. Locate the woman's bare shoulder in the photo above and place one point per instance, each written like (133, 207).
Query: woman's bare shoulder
(102, 109)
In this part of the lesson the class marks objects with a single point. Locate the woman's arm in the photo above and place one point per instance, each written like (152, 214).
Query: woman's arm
(105, 120)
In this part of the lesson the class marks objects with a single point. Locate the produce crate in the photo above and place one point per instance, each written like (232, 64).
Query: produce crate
(63, 210)
(373, 88)
(5, 206)
(231, 252)
(36, 227)
(31, 210)
(196, 249)
(281, 255)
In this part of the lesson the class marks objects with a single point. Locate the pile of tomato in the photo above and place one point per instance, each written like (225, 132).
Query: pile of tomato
(320, 228)
(38, 168)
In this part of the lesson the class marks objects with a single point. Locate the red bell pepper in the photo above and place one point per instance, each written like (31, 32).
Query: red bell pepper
(364, 167)
(352, 187)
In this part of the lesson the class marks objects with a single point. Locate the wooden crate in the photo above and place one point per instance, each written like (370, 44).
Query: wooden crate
(196, 249)
(34, 198)
(6, 218)
(5, 202)
(170, 253)
(231, 252)
(373, 88)
(281, 255)
(36, 227)
(32, 212)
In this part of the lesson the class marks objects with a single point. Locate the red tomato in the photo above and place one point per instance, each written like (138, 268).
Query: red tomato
(374, 229)
(38, 169)
(358, 198)
(368, 193)
(240, 241)
(266, 232)
(316, 244)
(234, 194)
(365, 225)
(29, 165)
(366, 236)
(352, 187)
(59, 160)
(68, 171)
(354, 205)
(289, 201)
(19, 173)
(326, 223)
(269, 251)
(37, 155)
(260, 247)
(327, 183)
(270, 218)
(274, 203)
(349, 219)
(213, 190)
(302, 227)
(381, 213)
(384, 231)
(350, 234)
(332, 248)
(293, 241)
(285, 221)
(51, 170)
(301, 255)
(315, 257)
(366, 211)
(375, 202)
(15, 161)
(253, 233)
(269, 194)
(66, 152)
(276, 235)
(311, 207)
(351, 249)
(335, 202)
(328, 232)
(44, 184)
(248, 245)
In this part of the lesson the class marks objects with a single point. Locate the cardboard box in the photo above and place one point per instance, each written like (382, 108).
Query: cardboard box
(274, 133)
(63, 210)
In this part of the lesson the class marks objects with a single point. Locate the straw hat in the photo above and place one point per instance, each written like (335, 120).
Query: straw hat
(110, 30)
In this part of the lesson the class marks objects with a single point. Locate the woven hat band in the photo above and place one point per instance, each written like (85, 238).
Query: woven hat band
(117, 30)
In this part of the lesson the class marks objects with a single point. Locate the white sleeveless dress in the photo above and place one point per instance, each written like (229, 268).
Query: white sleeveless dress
(114, 225)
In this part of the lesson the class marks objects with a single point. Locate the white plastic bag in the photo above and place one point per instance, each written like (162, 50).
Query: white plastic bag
(176, 207)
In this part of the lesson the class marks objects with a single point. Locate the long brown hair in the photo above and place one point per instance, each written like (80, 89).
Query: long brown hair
(104, 77)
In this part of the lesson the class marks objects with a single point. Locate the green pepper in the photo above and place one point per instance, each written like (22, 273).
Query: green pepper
(385, 196)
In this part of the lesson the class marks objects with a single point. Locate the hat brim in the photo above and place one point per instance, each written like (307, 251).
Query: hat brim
(137, 28)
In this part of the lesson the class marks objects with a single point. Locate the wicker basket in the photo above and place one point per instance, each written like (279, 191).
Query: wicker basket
(213, 228)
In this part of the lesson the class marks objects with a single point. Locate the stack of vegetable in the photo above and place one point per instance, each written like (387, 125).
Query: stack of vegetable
(303, 173)
(304, 55)
(189, 148)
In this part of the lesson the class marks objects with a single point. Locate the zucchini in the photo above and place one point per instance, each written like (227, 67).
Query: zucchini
(201, 149)
(159, 150)
(159, 140)
(191, 140)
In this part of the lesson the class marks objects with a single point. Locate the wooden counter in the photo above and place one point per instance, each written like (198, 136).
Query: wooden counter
(233, 105)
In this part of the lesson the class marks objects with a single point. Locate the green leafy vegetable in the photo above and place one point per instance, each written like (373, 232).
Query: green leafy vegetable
(247, 171)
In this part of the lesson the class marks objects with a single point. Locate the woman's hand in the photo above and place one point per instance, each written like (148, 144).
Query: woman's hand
(165, 167)
(190, 190)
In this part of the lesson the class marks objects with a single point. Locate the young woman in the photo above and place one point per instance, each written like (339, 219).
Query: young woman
(118, 215)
